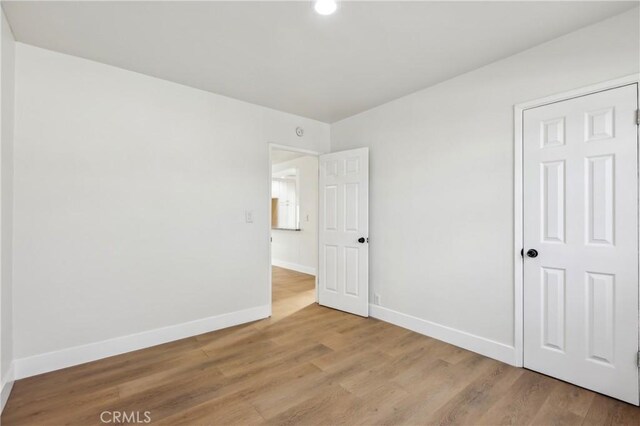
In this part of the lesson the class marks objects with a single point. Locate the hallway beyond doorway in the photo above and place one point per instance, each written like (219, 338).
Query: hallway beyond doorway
(292, 291)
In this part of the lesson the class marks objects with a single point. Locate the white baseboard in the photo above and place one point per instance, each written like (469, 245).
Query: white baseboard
(6, 386)
(481, 345)
(38, 364)
(294, 267)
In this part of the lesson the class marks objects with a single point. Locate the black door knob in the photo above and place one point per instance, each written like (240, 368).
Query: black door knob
(361, 240)
(532, 253)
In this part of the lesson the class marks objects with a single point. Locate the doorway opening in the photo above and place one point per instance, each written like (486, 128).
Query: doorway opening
(294, 229)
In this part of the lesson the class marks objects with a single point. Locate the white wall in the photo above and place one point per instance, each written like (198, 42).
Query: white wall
(130, 199)
(442, 178)
(6, 204)
(298, 250)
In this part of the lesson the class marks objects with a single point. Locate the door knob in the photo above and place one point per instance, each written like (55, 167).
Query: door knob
(361, 240)
(532, 253)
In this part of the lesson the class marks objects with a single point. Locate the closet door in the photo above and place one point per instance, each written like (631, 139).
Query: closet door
(581, 241)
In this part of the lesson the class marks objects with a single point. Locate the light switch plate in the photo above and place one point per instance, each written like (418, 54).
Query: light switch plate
(248, 216)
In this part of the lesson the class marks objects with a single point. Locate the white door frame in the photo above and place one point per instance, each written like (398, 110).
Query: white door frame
(518, 217)
(271, 147)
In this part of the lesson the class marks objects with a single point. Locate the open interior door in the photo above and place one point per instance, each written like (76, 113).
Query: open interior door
(344, 231)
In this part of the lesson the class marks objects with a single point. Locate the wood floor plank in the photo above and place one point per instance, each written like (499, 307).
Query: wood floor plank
(445, 384)
(227, 411)
(477, 397)
(332, 406)
(551, 414)
(378, 401)
(571, 398)
(522, 401)
(308, 365)
(607, 411)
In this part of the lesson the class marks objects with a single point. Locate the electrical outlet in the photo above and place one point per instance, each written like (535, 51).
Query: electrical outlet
(377, 299)
(248, 216)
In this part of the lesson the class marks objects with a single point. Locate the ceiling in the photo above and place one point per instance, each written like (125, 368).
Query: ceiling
(284, 56)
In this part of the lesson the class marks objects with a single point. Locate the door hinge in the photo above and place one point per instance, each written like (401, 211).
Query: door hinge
(638, 359)
(638, 117)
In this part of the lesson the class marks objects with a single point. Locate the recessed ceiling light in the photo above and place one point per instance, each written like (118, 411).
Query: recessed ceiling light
(325, 7)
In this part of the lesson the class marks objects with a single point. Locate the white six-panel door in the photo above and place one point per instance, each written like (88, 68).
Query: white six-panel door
(343, 278)
(581, 216)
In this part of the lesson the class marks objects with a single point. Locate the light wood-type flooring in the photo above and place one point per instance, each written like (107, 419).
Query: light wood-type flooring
(308, 365)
